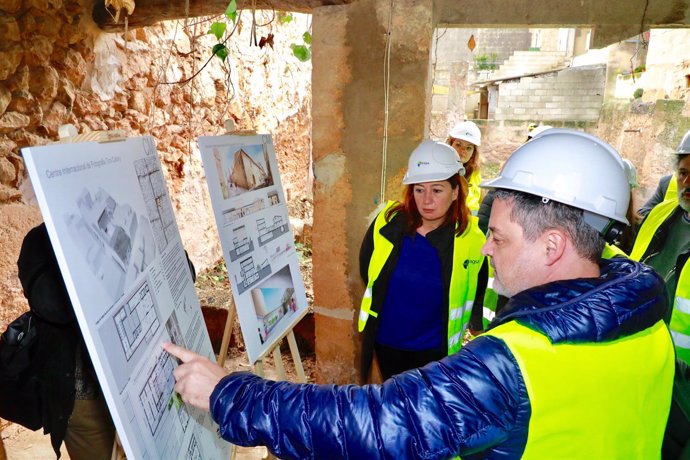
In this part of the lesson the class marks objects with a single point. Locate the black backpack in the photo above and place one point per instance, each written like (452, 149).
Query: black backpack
(21, 355)
(19, 385)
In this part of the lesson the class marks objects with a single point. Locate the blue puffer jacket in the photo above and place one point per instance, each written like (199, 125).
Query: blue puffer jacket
(473, 403)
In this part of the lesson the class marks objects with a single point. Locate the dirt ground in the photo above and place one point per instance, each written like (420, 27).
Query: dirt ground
(213, 291)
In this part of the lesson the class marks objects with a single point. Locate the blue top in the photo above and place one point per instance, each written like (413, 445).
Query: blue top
(411, 318)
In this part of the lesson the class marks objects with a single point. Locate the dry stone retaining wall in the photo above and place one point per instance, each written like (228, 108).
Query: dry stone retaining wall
(56, 67)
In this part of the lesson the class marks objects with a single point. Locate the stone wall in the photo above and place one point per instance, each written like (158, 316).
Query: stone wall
(575, 93)
(56, 68)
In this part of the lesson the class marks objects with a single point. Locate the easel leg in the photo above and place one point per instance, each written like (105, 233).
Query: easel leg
(278, 359)
(118, 452)
(223, 354)
(294, 351)
(227, 333)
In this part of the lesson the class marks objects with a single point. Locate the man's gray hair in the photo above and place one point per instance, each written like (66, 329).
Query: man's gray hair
(535, 217)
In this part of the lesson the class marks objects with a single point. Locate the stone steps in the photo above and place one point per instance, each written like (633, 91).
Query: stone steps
(529, 62)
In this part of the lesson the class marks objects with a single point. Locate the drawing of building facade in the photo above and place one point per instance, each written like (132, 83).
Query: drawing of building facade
(247, 173)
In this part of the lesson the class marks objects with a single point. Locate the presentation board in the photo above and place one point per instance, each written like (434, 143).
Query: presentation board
(112, 226)
(258, 244)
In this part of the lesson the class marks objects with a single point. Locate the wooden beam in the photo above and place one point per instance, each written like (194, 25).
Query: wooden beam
(149, 12)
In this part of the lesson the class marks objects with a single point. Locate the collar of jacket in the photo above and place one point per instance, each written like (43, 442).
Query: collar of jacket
(628, 297)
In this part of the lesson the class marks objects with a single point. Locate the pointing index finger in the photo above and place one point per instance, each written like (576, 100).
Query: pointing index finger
(182, 354)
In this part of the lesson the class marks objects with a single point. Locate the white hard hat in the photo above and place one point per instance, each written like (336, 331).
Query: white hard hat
(467, 131)
(684, 146)
(630, 172)
(573, 168)
(538, 130)
(432, 161)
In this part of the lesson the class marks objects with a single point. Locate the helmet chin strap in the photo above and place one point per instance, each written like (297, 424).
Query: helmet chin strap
(610, 229)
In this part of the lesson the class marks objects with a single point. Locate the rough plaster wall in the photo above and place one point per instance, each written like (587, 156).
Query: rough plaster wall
(347, 142)
(56, 68)
(647, 134)
(332, 193)
(668, 63)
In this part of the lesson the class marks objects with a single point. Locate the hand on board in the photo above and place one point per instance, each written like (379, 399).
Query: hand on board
(196, 377)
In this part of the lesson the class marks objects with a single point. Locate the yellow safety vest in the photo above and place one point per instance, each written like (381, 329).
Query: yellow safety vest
(474, 192)
(611, 250)
(672, 190)
(467, 260)
(680, 317)
(605, 400)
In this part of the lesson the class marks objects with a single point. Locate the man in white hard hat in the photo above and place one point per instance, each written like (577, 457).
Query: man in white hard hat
(578, 365)
(663, 242)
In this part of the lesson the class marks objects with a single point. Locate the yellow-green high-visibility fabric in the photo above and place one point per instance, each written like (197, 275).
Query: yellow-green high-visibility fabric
(467, 261)
(680, 319)
(382, 249)
(654, 219)
(596, 400)
(612, 251)
(474, 192)
(490, 300)
(672, 190)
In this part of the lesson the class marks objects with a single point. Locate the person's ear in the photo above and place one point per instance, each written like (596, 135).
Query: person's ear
(555, 245)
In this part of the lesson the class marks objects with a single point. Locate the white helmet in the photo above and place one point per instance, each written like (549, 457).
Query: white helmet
(684, 146)
(538, 130)
(467, 131)
(630, 173)
(573, 168)
(432, 161)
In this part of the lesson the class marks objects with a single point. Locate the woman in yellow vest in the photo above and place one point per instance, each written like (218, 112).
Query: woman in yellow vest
(422, 264)
(466, 138)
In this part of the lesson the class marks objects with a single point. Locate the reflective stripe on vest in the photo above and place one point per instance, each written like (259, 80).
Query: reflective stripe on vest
(680, 317)
(490, 300)
(605, 400)
(474, 192)
(467, 260)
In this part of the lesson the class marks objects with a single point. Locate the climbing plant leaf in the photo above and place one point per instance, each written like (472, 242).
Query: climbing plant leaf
(221, 51)
(218, 29)
(284, 17)
(231, 11)
(306, 36)
(301, 52)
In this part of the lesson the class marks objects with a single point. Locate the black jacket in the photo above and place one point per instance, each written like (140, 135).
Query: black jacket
(58, 331)
(442, 240)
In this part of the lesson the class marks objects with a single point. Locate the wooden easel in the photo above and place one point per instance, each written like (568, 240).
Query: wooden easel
(277, 356)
